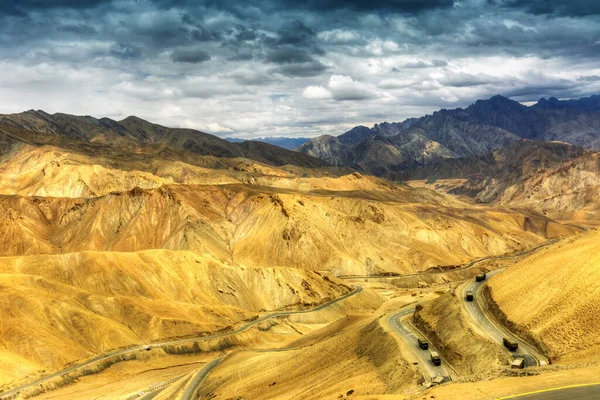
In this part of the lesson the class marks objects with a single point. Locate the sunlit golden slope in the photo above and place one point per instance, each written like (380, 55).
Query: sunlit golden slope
(104, 251)
(554, 296)
(298, 217)
(57, 309)
(55, 172)
(344, 232)
(353, 355)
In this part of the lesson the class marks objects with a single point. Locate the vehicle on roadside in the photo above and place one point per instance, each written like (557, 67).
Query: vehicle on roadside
(469, 295)
(481, 277)
(518, 363)
(438, 380)
(509, 344)
(423, 344)
(435, 358)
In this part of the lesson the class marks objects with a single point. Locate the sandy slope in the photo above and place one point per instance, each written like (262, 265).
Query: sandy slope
(344, 233)
(106, 251)
(354, 354)
(57, 309)
(554, 296)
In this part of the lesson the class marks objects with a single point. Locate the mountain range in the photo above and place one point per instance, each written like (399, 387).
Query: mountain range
(133, 133)
(481, 128)
(289, 143)
(556, 178)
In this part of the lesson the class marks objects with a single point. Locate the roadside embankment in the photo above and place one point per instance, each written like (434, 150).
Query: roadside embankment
(443, 321)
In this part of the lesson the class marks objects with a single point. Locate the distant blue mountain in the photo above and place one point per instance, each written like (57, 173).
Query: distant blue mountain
(284, 142)
(591, 103)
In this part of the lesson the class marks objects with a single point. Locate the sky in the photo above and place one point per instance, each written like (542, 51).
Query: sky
(260, 68)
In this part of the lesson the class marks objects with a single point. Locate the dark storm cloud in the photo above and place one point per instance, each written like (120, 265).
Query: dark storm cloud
(244, 34)
(395, 5)
(383, 6)
(467, 80)
(324, 61)
(301, 69)
(535, 92)
(200, 34)
(190, 55)
(296, 33)
(125, 52)
(576, 8)
(288, 55)
(21, 7)
(79, 29)
(294, 48)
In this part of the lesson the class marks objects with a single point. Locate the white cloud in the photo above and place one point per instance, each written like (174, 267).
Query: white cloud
(395, 83)
(214, 127)
(340, 87)
(343, 87)
(316, 93)
(379, 47)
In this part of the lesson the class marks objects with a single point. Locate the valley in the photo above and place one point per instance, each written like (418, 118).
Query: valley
(137, 267)
(299, 200)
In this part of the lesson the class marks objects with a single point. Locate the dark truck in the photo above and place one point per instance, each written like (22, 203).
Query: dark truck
(481, 277)
(469, 295)
(509, 344)
(423, 344)
(435, 358)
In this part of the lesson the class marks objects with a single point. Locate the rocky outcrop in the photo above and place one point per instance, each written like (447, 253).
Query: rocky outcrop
(483, 127)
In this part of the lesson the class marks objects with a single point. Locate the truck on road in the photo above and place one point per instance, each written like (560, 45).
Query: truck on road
(469, 295)
(423, 344)
(435, 358)
(509, 344)
(518, 363)
(481, 277)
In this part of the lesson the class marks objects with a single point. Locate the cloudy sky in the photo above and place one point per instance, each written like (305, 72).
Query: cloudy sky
(280, 68)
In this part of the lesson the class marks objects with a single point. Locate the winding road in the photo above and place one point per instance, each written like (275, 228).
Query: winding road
(467, 266)
(200, 376)
(11, 394)
(476, 311)
(410, 337)
(493, 329)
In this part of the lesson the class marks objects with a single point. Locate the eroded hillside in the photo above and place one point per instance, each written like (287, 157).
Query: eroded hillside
(58, 309)
(109, 250)
(348, 225)
(557, 179)
(552, 297)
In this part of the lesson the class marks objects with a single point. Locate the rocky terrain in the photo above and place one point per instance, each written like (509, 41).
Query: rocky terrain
(289, 143)
(351, 224)
(38, 127)
(63, 308)
(483, 127)
(118, 234)
(555, 178)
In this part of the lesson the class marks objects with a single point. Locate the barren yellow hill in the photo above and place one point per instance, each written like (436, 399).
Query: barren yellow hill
(360, 233)
(554, 296)
(101, 251)
(62, 308)
(353, 356)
